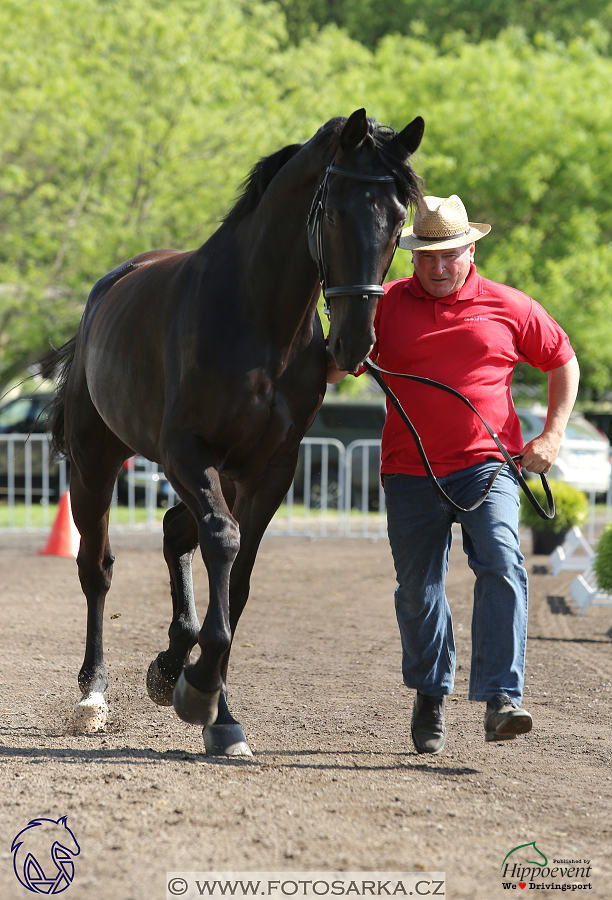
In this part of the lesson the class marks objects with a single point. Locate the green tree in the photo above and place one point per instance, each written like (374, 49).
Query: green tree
(125, 127)
(128, 127)
(524, 136)
(368, 21)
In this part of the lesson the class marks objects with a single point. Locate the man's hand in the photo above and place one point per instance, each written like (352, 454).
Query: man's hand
(540, 453)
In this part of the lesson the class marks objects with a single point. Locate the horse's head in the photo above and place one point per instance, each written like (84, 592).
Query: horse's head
(355, 223)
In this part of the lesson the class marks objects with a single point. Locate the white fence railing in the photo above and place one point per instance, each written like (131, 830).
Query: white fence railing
(336, 491)
(28, 483)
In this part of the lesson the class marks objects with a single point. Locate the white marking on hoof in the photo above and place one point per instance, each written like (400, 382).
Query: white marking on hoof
(89, 715)
(239, 749)
(225, 740)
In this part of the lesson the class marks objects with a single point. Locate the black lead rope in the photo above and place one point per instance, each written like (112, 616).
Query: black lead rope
(376, 372)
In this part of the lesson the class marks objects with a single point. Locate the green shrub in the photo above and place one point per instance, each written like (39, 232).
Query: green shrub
(602, 563)
(571, 505)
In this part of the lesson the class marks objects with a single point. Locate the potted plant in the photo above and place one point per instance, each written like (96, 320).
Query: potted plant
(602, 562)
(571, 506)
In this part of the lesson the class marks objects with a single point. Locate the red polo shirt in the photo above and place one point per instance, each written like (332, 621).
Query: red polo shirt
(471, 341)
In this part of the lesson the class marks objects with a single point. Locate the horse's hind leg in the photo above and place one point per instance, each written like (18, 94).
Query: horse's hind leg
(95, 565)
(96, 456)
(180, 542)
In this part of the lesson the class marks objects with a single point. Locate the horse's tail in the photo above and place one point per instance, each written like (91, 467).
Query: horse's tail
(57, 365)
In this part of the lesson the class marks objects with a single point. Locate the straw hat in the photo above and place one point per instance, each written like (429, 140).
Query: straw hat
(441, 223)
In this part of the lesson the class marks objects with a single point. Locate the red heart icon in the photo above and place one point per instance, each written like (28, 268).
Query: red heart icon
(522, 884)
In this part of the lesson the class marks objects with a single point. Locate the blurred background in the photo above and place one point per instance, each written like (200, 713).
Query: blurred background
(126, 127)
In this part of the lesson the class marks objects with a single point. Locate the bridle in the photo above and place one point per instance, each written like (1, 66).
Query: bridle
(315, 237)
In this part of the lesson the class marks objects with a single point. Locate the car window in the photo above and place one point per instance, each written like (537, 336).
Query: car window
(528, 424)
(15, 414)
(581, 430)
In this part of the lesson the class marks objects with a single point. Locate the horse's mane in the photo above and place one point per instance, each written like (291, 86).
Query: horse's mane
(258, 180)
(386, 143)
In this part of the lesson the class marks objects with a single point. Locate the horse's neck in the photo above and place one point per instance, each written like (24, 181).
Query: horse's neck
(283, 281)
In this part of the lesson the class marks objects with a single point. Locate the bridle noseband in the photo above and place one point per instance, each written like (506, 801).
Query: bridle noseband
(315, 238)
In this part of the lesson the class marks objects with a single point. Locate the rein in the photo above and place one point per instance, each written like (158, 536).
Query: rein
(315, 220)
(376, 372)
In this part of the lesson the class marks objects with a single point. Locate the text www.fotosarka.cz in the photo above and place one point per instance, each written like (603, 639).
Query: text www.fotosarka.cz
(283, 885)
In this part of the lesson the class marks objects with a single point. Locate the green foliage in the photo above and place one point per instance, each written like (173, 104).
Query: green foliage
(125, 127)
(571, 505)
(524, 136)
(602, 563)
(436, 21)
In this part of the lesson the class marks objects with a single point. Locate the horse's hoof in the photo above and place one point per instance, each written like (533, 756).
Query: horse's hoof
(225, 740)
(194, 706)
(159, 688)
(90, 714)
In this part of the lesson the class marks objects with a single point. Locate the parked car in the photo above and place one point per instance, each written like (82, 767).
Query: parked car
(345, 419)
(26, 415)
(584, 455)
(145, 474)
(601, 420)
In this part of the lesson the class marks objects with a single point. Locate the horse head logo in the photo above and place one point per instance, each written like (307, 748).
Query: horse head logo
(528, 850)
(43, 856)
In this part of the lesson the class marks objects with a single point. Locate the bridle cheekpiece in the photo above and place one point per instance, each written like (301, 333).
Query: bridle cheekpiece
(315, 238)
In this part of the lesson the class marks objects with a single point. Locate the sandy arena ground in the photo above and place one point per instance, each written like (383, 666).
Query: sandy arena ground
(315, 680)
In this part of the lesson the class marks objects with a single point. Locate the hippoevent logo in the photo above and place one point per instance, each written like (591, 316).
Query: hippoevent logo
(43, 856)
(526, 868)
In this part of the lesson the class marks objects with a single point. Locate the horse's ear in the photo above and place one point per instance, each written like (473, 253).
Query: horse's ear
(354, 131)
(412, 134)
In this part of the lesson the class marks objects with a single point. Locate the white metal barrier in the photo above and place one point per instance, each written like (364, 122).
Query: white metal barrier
(336, 491)
(26, 476)
(315, 501)
(368, 488)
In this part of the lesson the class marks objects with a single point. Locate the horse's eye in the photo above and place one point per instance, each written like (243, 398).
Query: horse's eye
(329, 217)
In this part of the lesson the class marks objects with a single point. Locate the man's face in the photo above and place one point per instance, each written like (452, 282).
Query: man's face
(442, 272)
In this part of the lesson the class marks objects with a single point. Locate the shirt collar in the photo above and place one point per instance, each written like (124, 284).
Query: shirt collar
(470, 289)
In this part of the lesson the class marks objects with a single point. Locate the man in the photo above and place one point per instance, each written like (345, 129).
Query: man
(448, 323)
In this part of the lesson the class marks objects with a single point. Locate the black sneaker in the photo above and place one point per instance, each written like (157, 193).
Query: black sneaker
(427, 727)
(503, 719)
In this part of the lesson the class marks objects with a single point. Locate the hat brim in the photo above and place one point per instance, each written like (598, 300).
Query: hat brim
(409, 241)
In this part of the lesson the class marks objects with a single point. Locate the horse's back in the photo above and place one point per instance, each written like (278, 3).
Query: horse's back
(104, 284)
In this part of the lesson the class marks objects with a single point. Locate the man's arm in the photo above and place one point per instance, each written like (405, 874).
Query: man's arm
(540, 453)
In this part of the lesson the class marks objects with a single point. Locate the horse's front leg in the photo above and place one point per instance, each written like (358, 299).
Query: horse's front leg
(226, 737)
(191, 469)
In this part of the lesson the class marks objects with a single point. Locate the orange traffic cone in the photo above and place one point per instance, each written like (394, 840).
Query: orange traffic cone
(64, 539)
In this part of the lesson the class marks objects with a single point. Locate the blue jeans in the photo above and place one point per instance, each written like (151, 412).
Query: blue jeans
(419, 527)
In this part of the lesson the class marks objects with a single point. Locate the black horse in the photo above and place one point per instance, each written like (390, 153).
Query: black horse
(213, 364)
